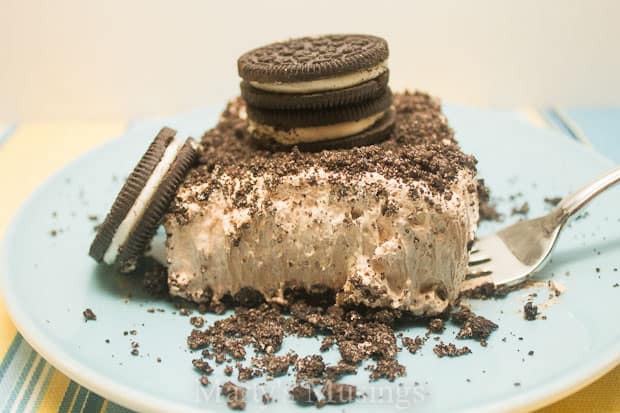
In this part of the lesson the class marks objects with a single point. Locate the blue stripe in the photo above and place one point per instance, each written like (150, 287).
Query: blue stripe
(601, 126)
(20, 382)
(6, 134)
(79, 400)
(33, 381)
(552, 117)
(66, 400)
(115, 408)
(8, 358)
(93, 403)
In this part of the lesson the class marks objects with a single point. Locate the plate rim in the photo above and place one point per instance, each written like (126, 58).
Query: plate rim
(586, 373)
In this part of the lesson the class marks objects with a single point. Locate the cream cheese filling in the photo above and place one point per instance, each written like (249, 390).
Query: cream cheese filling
(320, 85)
(142, 201)
(314, 133)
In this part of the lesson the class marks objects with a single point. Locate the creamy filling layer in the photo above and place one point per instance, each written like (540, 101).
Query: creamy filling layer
(141, 203)
(321, 85)
(413, 258)
(314, 133)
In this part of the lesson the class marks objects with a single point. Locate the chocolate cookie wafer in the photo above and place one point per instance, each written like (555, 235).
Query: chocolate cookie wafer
(353, 95)
(377, 133)
(319, 117)
(314, 64)
(301, 127)
(140, 205)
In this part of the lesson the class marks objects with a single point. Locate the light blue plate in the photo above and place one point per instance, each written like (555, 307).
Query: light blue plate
(48, 282)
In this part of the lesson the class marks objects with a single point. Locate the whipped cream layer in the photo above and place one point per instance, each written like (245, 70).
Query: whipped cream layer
(378, 246)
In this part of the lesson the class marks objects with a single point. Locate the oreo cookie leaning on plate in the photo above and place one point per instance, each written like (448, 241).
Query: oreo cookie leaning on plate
(139, 207)
(315, 72)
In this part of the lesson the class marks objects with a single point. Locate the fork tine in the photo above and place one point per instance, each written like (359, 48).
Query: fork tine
(477, 273)
(478, 260)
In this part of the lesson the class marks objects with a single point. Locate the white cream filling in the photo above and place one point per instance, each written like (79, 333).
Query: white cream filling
(140, 204)
(320, 85)
(315, 133)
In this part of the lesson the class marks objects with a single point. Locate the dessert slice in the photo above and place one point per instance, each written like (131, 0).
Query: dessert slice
(384, 225)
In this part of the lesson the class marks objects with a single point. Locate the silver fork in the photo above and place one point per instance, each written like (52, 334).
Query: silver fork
(513, 254)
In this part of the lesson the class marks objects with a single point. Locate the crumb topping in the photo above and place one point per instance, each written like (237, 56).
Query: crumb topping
(421, 148)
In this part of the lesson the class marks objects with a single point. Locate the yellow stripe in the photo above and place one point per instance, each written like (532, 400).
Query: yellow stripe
(104, 406)
(600, 396)
(7, 331)
(54, 393)
(534, 117)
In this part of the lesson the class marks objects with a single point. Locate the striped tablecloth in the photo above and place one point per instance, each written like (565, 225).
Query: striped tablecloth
(33, 151)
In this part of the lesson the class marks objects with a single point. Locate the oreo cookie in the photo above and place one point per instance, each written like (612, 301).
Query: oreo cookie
(353, 95)
(376, 134)
(320, 117)
(312, 59)
(142, 201)
(318, 92)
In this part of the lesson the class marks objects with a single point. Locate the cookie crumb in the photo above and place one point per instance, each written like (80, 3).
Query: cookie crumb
(337, 393)
(553, 201)
(197, 321)
(267, 399)
(235, 395)
(89, 315)
(530, 311)
(413, 344)
(436, 325)
(450, 350)
(303, 395)
(522, 210)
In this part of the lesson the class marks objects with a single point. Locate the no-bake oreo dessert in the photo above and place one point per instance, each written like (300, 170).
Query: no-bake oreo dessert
(381, 209)
(317, 177)
(320, 203)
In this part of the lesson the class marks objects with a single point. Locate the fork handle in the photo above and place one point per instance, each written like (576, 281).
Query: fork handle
(575, 201)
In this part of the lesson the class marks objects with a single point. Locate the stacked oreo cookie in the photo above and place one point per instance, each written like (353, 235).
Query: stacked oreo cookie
(318, 93)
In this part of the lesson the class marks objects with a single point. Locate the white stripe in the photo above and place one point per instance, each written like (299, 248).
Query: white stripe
(33, 368)
(30, 407)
